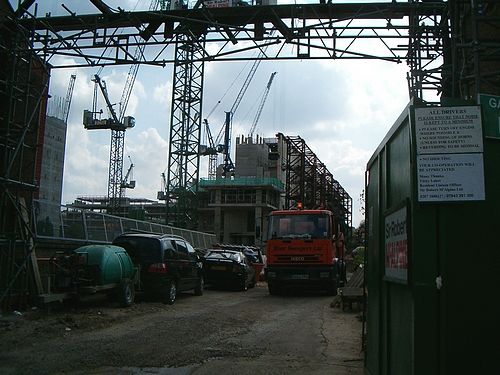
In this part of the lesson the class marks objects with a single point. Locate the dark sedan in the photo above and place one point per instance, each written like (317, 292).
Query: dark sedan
(227, 268)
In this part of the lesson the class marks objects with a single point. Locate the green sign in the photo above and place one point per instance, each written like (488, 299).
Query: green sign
(491, 115)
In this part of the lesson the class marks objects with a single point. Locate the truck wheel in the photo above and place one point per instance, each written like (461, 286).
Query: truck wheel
(273, 289)
(200, 286)
(169, 293)
(126, 293)
(332, 290)
(252, 283)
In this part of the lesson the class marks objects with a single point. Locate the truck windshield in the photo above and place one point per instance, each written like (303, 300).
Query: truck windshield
(299, 226)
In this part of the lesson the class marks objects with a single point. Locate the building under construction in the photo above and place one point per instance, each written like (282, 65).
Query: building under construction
(269, 174)
(420, 325)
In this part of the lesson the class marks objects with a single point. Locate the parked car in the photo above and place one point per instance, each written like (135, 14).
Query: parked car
(253, 254)
(168, 264)
(95, 268)
(228, 268)
(257, 260)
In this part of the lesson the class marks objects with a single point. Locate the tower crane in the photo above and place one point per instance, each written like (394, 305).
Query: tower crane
(261, 104)
(226, 129)
(162, 194)
(117, 123)
(210, 149)
(126, 184)
(69, 96)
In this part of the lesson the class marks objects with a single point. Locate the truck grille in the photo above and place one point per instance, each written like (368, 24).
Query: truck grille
(298, 259)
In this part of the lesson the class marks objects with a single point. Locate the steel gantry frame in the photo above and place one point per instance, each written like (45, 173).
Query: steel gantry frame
(314, 31)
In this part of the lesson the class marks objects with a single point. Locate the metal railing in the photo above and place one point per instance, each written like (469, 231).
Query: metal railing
(68, 223)
(244, 181)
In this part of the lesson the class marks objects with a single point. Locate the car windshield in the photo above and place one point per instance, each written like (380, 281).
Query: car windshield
(217, 255)
(253, 256)
(144, 250)
(299, 226)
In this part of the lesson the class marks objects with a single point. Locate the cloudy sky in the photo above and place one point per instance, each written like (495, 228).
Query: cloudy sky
(341, 108)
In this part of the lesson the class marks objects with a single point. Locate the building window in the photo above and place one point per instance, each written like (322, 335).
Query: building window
(250, 221)
(213, 196)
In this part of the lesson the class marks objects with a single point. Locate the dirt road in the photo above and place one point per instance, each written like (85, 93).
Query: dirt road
(221, 332)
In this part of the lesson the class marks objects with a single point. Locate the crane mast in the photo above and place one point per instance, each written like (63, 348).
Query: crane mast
(126, 184)
(226, 129)
(261, 104)
(69, 96)
(162, 194)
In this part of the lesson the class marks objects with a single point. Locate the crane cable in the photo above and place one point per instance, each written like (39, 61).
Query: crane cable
(138, 55)
(227, 91)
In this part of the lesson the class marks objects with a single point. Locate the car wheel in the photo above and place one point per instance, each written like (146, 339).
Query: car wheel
(200, 286)
(126, 292)
(169, 293)
(243, 285)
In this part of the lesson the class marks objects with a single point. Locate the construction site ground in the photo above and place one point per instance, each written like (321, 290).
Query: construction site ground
(221, 332)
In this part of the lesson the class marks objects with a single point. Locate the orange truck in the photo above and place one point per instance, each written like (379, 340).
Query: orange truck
(304, 248)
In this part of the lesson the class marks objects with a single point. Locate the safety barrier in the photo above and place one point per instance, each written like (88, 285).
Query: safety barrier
(67, 223)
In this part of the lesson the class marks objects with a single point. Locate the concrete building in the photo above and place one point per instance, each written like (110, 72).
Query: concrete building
(51, 179)
(236, 208)
(49, 194)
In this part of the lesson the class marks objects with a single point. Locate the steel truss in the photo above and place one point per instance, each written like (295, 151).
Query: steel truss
(115, 173)
(185, 131)
(308, 181)
(395, 32)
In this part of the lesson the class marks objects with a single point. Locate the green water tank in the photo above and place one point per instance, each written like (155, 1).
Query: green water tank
(109, 264)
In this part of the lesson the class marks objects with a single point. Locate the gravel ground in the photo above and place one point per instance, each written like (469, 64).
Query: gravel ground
(222, 332)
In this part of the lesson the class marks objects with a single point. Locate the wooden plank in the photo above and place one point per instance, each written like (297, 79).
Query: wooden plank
(31, 246)
(354, 292)
(356, 279)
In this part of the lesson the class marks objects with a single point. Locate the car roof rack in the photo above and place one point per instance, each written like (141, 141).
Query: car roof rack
(173, 236)
(158, 235)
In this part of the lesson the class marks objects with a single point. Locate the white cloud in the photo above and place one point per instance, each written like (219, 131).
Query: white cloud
(149, 155)
(86, 165)
(162, 93)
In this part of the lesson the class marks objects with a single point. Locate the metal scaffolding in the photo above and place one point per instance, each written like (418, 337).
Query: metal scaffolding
(309, 182)
(475, 49)
(23, 98)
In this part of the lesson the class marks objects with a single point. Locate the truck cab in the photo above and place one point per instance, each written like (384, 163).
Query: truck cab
(304, 249)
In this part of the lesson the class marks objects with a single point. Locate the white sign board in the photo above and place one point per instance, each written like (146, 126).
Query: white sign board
(442, 130)
(450, 177)
(396, 245)
(218, 3)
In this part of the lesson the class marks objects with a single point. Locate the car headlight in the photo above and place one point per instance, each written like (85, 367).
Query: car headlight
(238, 269)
